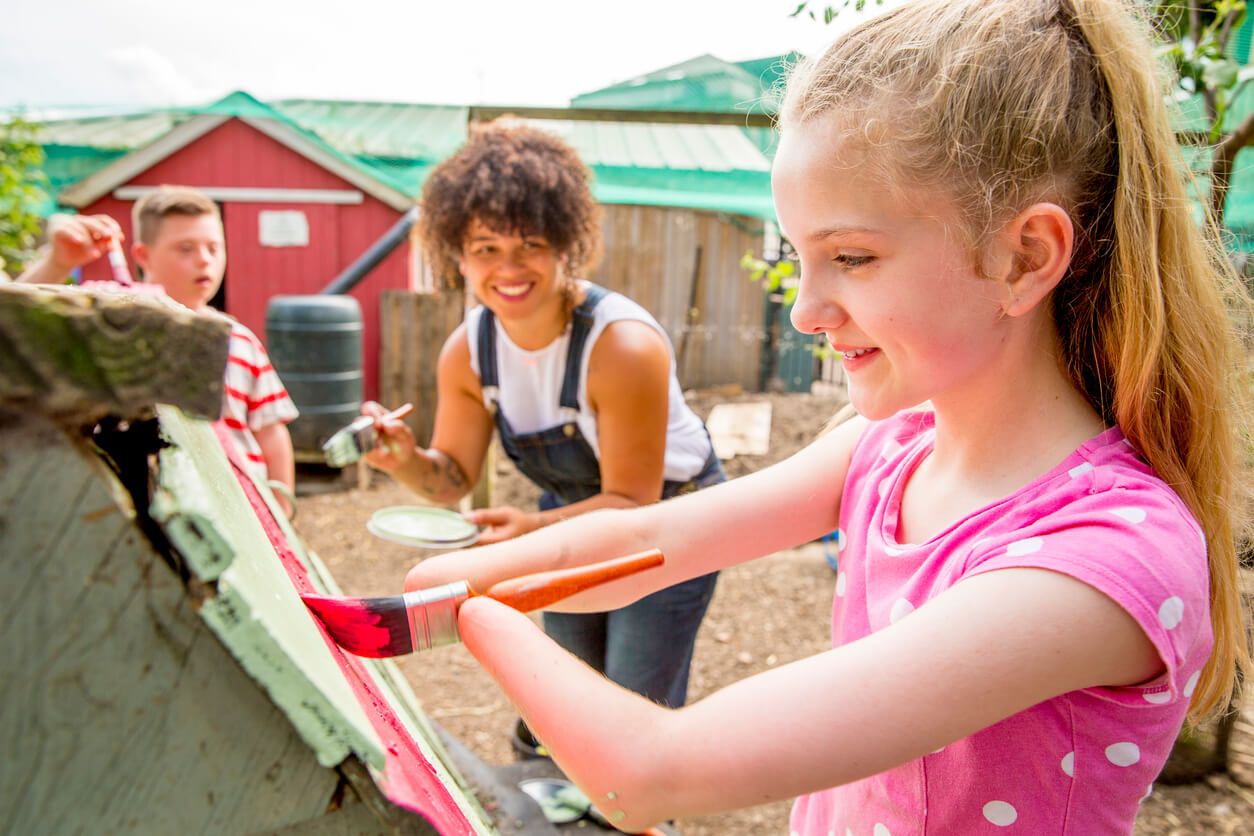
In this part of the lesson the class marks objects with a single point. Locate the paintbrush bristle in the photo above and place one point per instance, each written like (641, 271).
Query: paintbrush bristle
(373, 627)
(350, 443)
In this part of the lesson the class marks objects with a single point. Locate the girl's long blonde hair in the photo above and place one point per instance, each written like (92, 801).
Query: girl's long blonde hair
(1006, 102)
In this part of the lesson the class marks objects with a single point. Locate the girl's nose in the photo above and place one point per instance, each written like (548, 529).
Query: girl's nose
(815, 310)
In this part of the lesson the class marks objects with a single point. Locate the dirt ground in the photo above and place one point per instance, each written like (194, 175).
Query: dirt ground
(765, 613)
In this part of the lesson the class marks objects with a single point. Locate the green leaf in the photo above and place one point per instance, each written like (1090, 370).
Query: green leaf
(1220, 74)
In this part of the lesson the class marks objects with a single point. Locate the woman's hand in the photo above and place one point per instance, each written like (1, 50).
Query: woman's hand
(395, 446)
(504, 522)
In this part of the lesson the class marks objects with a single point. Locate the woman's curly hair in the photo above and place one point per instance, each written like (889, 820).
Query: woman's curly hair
(516, 180)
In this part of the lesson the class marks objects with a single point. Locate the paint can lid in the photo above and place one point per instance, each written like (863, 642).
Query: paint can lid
(423, 527)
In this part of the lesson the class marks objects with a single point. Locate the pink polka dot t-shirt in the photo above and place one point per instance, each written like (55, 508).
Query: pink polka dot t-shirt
(1082, 762)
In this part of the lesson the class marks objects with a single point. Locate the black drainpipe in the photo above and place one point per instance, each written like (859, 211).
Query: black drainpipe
(370, 259)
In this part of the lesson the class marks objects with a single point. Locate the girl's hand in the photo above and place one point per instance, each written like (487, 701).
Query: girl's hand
(395, 446)
(502, 523)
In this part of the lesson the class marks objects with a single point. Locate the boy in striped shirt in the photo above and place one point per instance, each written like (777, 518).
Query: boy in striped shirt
(179, 244)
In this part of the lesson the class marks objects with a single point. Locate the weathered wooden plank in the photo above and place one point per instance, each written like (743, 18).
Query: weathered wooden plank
(649, 255)
(119, 710)
(79, 354)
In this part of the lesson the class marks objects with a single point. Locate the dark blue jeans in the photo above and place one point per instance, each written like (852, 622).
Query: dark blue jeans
(645, 646)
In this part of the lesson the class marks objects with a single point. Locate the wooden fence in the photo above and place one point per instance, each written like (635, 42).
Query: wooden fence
(412, 328)
(683, 266)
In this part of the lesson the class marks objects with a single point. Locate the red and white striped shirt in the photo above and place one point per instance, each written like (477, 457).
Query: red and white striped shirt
(254, 397)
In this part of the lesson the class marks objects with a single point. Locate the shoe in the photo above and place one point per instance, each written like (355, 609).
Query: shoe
(525, 743)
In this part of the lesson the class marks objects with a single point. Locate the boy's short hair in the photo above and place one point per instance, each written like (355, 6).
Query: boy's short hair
(154, 207)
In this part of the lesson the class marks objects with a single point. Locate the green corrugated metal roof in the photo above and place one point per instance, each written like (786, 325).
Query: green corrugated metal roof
(382, 129)
(704, 83)
(698, 166)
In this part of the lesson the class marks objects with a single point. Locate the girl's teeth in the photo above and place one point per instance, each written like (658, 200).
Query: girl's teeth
(857, 352)
(513, 291)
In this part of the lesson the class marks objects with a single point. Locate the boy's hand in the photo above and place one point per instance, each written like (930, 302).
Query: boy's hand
(504, 522)
(76, 240)
(395, 446)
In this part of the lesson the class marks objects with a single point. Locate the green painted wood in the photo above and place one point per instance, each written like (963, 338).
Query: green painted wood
(255, 612)
(120, 711)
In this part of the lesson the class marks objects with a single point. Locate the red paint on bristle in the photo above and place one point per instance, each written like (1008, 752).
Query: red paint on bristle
(351, 623)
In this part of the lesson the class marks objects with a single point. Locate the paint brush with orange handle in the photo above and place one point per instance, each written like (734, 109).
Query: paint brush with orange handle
(394, 625)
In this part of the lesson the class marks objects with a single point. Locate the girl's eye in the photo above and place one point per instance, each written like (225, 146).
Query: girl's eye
(850, 260)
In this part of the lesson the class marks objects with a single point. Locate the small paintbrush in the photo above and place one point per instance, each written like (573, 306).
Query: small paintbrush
(349, 444)
(117, 264)
(394, 625)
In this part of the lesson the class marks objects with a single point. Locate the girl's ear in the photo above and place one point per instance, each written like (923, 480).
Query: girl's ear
(1038, 242)
(139, 251)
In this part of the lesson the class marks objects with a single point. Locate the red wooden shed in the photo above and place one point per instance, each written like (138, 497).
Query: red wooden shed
(296, 211)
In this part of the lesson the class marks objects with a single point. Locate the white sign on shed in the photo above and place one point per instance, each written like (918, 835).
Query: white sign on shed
(286, 228)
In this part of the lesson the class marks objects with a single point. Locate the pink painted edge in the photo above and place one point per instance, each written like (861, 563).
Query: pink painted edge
(409, 779)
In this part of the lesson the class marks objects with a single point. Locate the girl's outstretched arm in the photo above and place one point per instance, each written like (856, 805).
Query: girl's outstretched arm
(794, 501)
(990, 647)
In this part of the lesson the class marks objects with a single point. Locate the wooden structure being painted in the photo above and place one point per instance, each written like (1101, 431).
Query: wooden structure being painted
(162, 674)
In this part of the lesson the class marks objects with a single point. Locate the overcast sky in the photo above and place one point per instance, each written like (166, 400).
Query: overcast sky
(58, 53)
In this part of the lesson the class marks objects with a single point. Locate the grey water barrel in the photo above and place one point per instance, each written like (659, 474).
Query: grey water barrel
(315, 345)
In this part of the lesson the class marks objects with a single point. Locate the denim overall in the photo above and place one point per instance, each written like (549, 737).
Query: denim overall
(646, 646)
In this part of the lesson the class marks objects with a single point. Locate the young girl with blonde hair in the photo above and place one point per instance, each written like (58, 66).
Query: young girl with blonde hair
(1039, 502)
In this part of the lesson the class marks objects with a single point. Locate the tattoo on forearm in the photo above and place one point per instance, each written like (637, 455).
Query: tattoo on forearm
(445, 476)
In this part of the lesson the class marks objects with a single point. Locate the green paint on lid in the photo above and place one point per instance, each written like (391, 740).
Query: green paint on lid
(423, 527)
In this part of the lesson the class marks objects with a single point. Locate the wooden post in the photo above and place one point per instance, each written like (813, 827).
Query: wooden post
(413, 328)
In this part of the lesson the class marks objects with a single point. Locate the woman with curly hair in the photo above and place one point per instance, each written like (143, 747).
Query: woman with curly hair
(579, 382)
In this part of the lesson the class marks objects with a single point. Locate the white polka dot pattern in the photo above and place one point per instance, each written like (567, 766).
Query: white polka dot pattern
(1001, 813)
(901, 609)
(1171, 613)
(840, 584)
(1136, 516)
(1123, 754)
(1068, 764)
(1028, 546)
(1191, 684)
(1079, 470)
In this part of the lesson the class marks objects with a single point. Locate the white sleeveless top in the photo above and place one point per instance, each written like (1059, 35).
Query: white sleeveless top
(531, 386)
